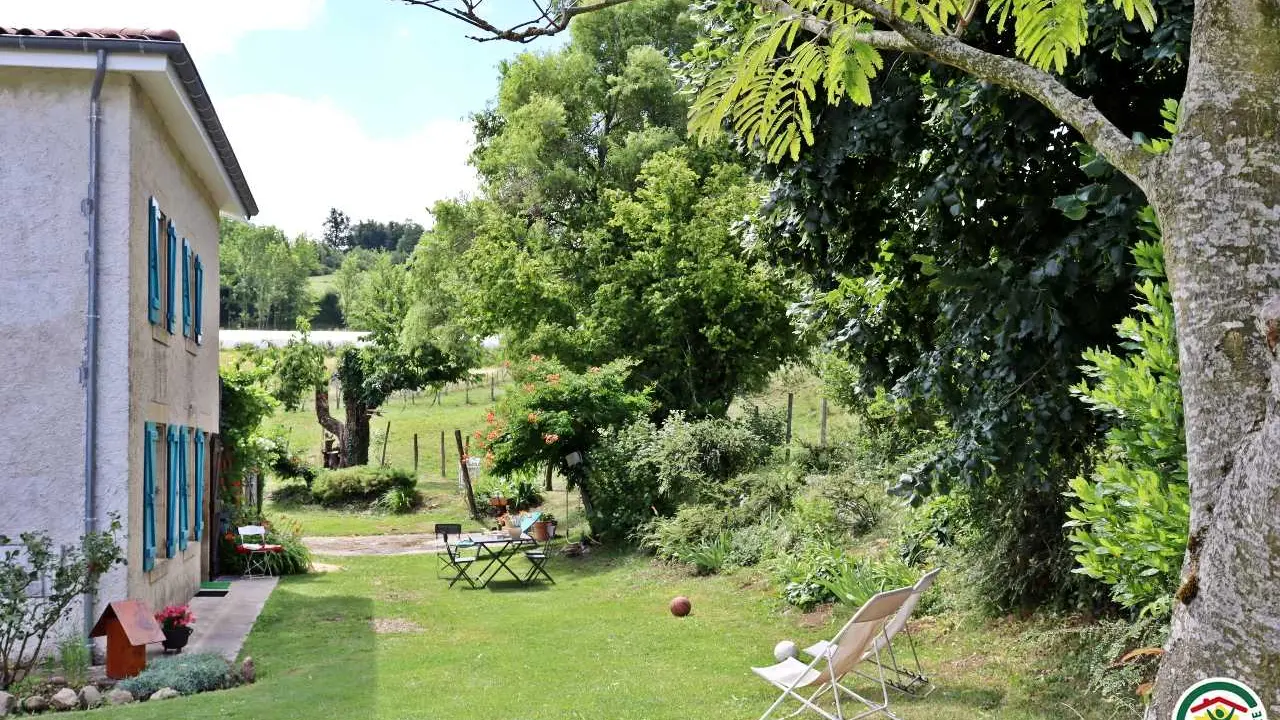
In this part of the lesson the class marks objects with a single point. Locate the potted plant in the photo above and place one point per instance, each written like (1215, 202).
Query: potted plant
(544, 529)
(175, 621)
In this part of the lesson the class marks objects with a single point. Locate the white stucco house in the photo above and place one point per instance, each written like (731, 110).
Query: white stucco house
(114, 169)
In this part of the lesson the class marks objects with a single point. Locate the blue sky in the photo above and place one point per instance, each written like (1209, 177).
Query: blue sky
(359, 104)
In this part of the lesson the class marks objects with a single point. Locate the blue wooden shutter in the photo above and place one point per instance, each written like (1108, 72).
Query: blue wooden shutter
(171, 516)
(150, 437)
(186, 288)
(153, 261)
(184, 526)
(199, 503)
(199, 301)
(171, 312)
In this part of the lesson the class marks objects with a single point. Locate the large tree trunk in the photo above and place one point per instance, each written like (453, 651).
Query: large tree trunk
(1218, 197)
(358, 414)
(331, 424)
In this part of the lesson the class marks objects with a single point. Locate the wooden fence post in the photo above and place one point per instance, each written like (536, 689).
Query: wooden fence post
(415, 454)
(822, 424)
(493, 389)
(385, 437)
(466, 476)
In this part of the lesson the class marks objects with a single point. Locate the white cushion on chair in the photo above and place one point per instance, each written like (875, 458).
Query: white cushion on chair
(788, 673)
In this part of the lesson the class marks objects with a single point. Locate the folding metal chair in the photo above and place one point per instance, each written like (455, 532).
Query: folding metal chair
(256, 564)
(841, 656)
(537, 558)
(452, 560)
(910, 680)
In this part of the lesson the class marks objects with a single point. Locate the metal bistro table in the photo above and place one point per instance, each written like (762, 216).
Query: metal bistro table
(498, 549)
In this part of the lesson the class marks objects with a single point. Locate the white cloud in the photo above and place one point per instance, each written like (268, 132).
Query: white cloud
(303, 156)
(208, 28)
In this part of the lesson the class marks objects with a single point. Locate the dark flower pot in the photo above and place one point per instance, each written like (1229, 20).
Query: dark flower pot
(176, 638)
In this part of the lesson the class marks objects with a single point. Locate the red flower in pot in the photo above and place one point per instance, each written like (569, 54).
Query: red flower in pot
(175, 621)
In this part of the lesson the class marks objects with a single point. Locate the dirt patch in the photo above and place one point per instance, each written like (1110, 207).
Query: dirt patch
(818, 616)
(393, 626)
(325, 567)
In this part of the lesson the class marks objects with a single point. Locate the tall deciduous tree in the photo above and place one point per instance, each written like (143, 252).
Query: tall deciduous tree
(1216, 191)
(603, 234)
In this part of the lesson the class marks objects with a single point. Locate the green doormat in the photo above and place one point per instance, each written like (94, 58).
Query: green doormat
(214, 588)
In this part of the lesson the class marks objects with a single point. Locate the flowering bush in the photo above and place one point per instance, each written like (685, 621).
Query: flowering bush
(175, 616)
(556, 412)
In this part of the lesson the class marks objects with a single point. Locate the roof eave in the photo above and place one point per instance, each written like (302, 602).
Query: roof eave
(182, 75)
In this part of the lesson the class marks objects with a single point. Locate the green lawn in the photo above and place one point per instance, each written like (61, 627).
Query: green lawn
(599, 645)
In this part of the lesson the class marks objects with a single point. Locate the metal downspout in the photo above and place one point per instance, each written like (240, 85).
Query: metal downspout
(89, 371)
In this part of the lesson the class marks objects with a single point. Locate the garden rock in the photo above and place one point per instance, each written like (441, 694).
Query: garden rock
(65, 699)
(248, 673)
(58, 681)
(8, 703)
(119, 696)
(165, 693)
(35, 704)
(90, 697)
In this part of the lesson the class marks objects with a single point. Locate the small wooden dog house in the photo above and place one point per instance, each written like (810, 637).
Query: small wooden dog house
(129, 627)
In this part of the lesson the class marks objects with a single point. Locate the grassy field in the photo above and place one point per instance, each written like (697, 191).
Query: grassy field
(321, 284)
(383, 639)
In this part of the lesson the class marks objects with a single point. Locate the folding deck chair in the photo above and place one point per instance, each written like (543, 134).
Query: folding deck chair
(909, 680)
(840, 657)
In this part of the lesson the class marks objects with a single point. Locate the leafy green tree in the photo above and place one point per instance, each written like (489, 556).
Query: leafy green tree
(1129, 522)
(602, 234)
(263, 277)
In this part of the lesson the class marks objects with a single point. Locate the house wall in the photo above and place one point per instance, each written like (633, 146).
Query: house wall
(173, 379)
(44, 166)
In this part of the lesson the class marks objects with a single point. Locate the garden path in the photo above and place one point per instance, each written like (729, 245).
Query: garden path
(347, 545)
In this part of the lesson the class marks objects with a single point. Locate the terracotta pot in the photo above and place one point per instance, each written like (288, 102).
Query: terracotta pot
(176, 638)
(540, 531)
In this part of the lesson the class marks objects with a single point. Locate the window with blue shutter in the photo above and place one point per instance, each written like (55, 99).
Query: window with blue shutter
(150, 437)
(171, 315)
(184, 515)
(153, 261)
(199, 301)
(186, 288)
(171, 515)
(199, 503)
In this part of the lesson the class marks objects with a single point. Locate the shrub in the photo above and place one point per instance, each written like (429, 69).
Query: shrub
(293, 494)
(38, 582)
(709, 557)
(397, 501)
(359, 485)
(826, 573)
(674, 537)
(1100, 654)
(936, 524)
(644, 469)
(188, 674)
(1129, 523)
